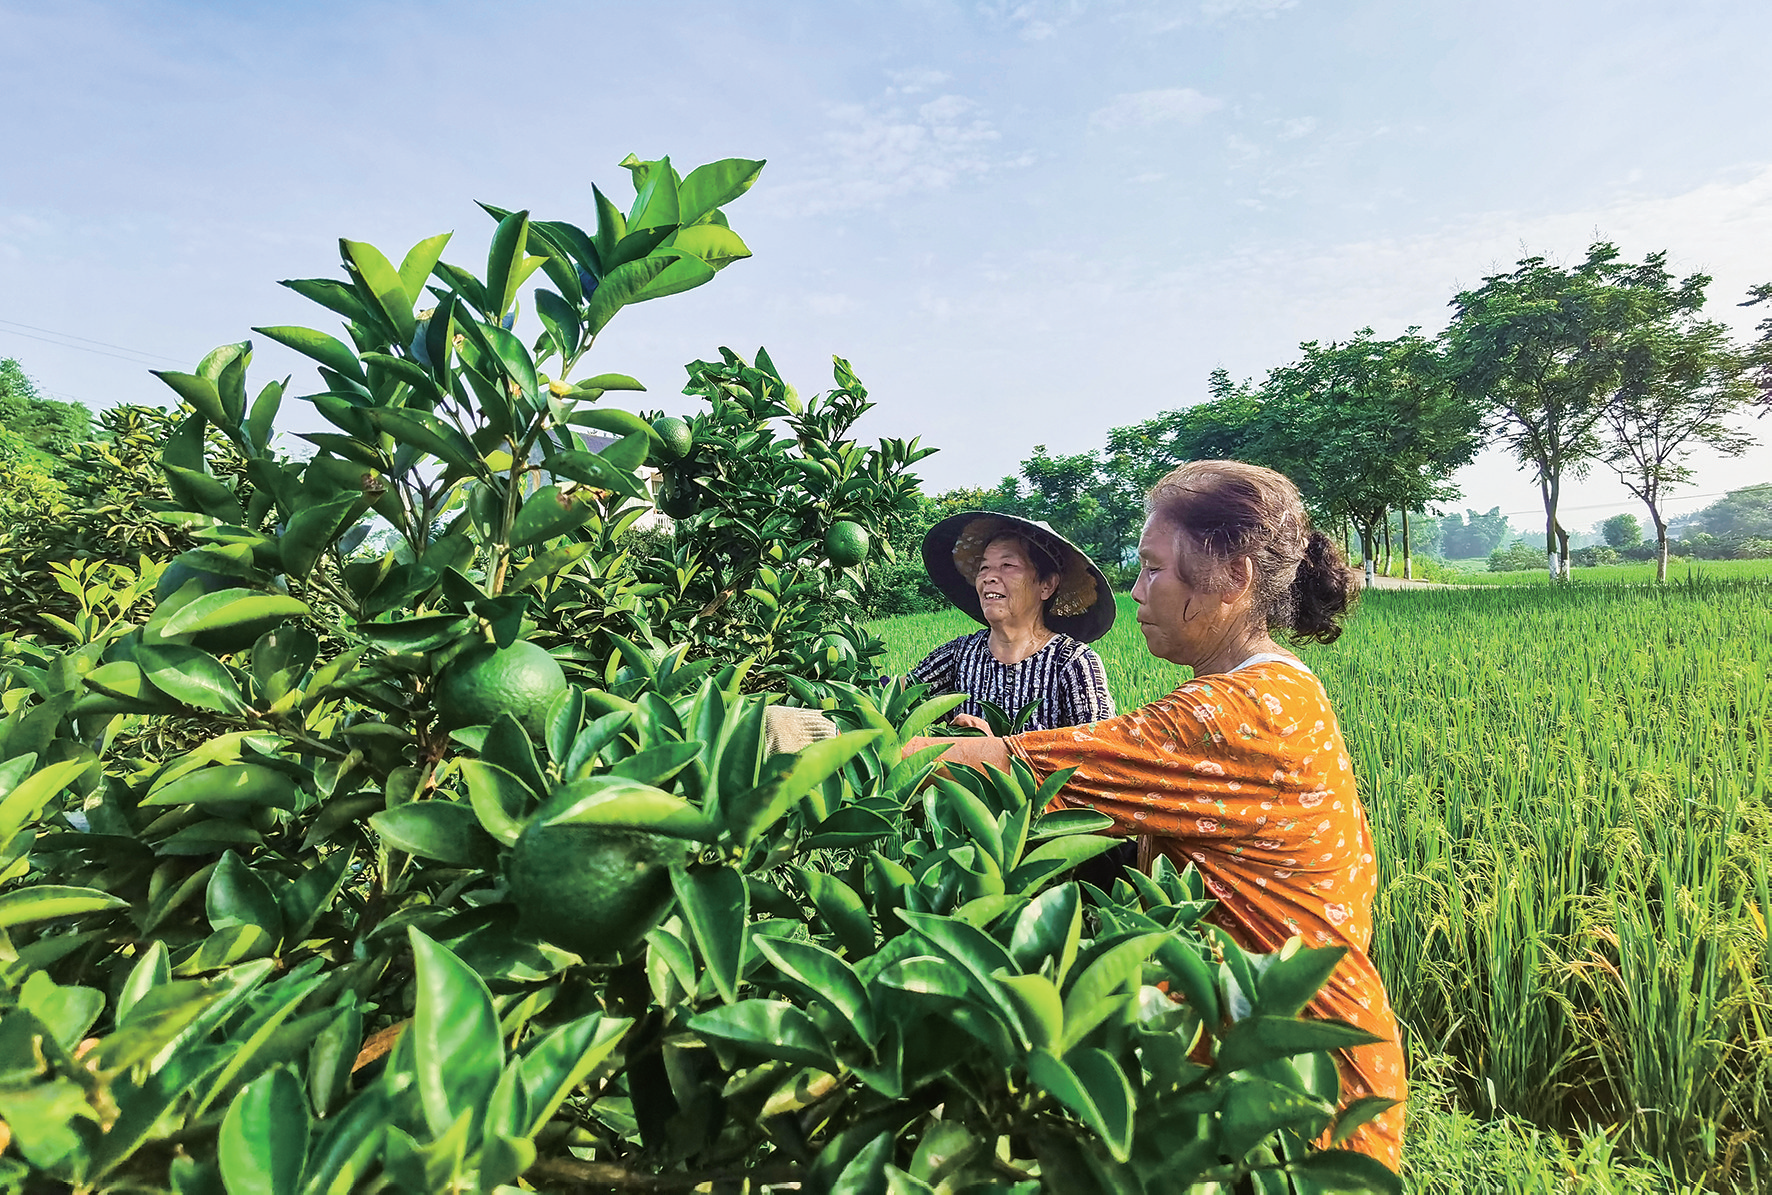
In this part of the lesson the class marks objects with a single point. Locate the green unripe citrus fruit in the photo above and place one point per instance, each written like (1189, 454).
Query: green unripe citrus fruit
(485, 681)
(846, 544)
(678, 497)
(676, 439)
(591, 889)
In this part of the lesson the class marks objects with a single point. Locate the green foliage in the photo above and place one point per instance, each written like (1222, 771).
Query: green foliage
(1622, 531)
(1516, 557)
(48, 426)
(273, 919)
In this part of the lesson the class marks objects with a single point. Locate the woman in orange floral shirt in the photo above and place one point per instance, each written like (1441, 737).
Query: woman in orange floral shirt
(1242, 770)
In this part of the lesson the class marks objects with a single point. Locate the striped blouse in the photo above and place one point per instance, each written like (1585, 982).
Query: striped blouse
(1065, 675)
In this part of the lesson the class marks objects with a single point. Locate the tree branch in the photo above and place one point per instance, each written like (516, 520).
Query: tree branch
(572, 1172)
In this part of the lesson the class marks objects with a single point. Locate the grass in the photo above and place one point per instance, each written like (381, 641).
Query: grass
(1635, 573)
(1569, 789)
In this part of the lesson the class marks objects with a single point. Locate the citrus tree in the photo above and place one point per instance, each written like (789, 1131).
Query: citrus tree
(462, 862)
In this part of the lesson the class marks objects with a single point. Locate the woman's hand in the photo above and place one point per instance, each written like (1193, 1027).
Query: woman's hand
(975, 753)
(971, 722)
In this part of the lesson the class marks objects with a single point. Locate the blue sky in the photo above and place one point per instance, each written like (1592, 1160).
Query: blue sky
(1023, 223)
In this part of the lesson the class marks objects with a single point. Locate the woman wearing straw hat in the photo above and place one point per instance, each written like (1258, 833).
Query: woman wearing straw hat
(1041, 600)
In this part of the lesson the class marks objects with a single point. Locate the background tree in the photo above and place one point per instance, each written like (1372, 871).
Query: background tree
(1622, 531)
(1684, 382)
(49, 426)
(1365, 428)
(1471, 535)
(1542, 350)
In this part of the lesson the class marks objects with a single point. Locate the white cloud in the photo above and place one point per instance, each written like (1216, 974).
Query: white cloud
(916, 79)
(1166, 105)
(878, 151)
(1292, 130)
(1217, 10)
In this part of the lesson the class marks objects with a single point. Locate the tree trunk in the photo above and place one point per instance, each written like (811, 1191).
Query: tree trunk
(1660, 544)
(1563, 551)
(1366, 560)
(1387, 543)
(1548, 488)
(1408, 562)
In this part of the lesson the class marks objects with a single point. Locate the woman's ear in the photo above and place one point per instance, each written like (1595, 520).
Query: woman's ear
(1239, 575)
(1049, 587)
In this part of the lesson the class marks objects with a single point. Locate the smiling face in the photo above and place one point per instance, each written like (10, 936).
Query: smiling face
(1182, 623)
(1010, 590)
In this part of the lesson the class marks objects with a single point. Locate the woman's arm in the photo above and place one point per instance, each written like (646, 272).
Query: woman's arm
(939, 669)
(971, 752)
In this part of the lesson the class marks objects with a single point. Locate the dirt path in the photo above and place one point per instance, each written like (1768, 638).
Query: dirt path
(1399, 583)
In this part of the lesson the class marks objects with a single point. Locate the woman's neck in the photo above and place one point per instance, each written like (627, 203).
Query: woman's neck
(1233, 651)
(1013, 642)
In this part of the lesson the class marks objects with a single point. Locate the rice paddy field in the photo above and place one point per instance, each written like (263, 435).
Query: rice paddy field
(1569, 787)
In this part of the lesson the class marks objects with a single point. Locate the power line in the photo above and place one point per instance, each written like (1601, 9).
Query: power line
(1538, 510)
(87, 340)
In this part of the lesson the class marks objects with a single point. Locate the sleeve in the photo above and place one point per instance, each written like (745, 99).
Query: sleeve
(939, 669)
(1160, 770)
(1083, 690)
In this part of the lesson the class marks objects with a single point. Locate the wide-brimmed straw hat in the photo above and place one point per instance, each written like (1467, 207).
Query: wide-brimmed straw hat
(1083, 607)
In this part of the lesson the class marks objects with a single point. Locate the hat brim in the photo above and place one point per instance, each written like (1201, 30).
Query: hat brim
(1083, 607)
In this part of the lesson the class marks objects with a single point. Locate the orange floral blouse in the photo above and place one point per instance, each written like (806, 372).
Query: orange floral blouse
(1245, 775)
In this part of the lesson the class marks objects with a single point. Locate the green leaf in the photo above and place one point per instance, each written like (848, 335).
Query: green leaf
(46, 902)
(231, 608)
(550, 512)
(827, 978)
(684, 273)
(443, 830)
(716, 906)
(1093, 1087)
(608, 800)
(1361, 1111)
(622, 286)
(1193, 977)
(264, 1137)
(417, 265)
(1291, 980)
(716, 246)
(262, 422)
(67, 1012)
(865, 1173)
(1049, 927)
(427, 433)
(328, 351)
(1041, 1008)
(1255, 1108)
(386, 284)
(504, 263)
(498, 799)
(593, 470)
(313, 529)
(1346, 1170)
(458, 1050)
(227, 786)
(772, 1028)
(840, 909)
(555, 1065)
(714, 185)
(200, 392)
(235, 896)
(1087, 1002)
(1055, 857)
(611, 381)
(311, 893)
(1069, 821)
(1258, 1039)
(977, 953)
(350, 1145)
(190, 677)
(26, 801)
(761, 808)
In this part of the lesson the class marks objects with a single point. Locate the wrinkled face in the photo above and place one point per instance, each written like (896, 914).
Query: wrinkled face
(1181, 624)
(1008, 585)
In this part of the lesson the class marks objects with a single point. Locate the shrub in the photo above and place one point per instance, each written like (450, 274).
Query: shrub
(274, 922)
(1515, 558)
